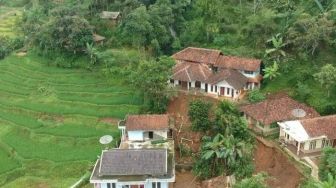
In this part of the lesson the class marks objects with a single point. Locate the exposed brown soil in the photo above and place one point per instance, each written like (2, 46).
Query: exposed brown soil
(185, 180)
(283, 174)
(178, 108)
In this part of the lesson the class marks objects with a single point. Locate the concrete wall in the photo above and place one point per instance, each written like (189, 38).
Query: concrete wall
(135, 135)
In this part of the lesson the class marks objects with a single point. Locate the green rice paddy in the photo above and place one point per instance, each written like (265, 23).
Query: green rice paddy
(52, 118)
(8, 19)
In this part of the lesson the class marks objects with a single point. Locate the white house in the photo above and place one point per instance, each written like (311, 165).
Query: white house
(145, 127)
(133, 168)
(214, 73)
(144, 159)
(263, 116)
(309, 136)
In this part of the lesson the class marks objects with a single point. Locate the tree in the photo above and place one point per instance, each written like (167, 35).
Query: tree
(199, 115)
(271, 72)
(276, 51)
(327, 164)
(329, 183)
(256, 181)
(92, 52)
(64, 34)
(326, 77)
(137, 28)
(150, 78)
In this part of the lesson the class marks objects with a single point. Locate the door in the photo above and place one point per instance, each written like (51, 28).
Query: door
(184, 84)
(222, 90)
(206, 87)
(198, 84)
(232, 93)
(150, 135)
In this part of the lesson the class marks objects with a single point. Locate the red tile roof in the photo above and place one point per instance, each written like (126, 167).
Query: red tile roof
(188, 71)
(232, 77)
(325, 125)
(147, 122)
(238, 63)
(199, 55)
(277, 109)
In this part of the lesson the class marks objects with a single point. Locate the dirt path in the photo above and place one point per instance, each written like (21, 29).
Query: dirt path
(283, 173)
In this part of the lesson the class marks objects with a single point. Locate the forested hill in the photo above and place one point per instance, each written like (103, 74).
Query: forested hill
(294, 38)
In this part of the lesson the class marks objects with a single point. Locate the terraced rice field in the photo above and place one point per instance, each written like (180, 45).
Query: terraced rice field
(52, 118)
(8, 18)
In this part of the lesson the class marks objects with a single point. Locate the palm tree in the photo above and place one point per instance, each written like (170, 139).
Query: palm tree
(330, 183)
(278, 44)
(223, 151)
(272, 71)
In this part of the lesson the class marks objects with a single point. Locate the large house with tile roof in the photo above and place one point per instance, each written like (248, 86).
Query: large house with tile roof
(262, 117)
(309, 136)
(214, 73)
(144, 159)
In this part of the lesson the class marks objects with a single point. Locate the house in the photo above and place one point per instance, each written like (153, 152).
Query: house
(98, 39)
(309, 136)
(262, 117)
(112, 17)
(133, 168)
(144, 159)
(145, 127)
(214, 73)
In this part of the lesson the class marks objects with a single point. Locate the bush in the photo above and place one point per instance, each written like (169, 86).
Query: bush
(199, 115)
(8, 45)
(327, 163)
(255, 96)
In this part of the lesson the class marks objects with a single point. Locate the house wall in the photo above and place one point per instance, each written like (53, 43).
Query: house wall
(142, 135)
(259, 127)
(135, 135)
(147, 184)
(227, 87)
(253, 75)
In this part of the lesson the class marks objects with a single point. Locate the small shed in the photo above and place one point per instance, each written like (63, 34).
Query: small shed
(113, 17)
(98, 39)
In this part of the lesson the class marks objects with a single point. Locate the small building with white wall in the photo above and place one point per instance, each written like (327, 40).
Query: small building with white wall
(309, 135)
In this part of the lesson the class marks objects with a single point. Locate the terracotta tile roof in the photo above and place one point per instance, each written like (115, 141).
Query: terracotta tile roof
(239, 63)
(199, 55)
(325, 125)
(232, 77)
(147, 122)
(277, 109)
(133, 162)
(188, 71)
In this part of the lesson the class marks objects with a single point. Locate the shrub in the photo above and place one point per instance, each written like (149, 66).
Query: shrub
(327, 163)
(255, 96)
(199, 115)
(8, 45)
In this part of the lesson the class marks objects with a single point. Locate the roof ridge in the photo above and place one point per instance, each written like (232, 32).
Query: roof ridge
(320, 117)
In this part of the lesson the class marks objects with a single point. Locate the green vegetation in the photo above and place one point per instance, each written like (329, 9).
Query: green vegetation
(52, 118)
(256, 181)
(199, 112)
(327, 164)
(228, 149)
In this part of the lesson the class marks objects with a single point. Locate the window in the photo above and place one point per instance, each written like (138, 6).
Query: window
(248, 72)
(156, 185)
(211, 88)
(108, 185)
(215, 88)
(325, 143)
(125, 186)
(171, 81)
(151, 135)
(228, 91)
(312, 144)
(189, 84)
(113, 185)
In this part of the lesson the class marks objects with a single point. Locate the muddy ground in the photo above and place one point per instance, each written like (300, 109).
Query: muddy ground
(283, 174)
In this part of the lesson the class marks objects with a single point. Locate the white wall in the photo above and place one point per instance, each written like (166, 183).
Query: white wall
(147, 184)
(163, 134)
(255, 73)
(135, 135)
(227, 87)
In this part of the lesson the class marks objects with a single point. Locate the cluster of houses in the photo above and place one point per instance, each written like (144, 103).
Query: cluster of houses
(145, 156)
